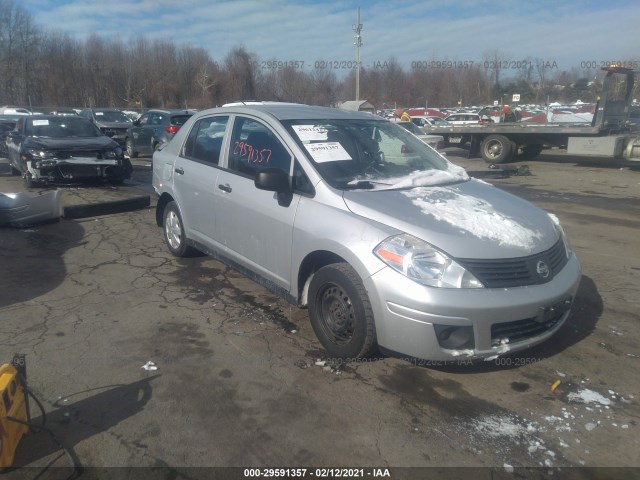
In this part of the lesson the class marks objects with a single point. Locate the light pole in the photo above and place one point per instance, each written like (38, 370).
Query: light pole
(357, 28)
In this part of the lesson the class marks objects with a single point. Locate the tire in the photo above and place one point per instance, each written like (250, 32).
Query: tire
(530, 152)
(130, 151)
(173, 229)
(497, 149)
(340, 312)
(29, 182)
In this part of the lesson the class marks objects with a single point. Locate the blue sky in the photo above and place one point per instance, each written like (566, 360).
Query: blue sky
(566, 32)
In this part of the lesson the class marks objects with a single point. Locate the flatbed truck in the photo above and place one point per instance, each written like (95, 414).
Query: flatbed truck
(609, 134)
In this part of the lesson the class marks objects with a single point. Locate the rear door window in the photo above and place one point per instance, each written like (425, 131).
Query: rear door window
(204, 142)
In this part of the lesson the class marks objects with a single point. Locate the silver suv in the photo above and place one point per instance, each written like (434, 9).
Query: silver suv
(386, 243)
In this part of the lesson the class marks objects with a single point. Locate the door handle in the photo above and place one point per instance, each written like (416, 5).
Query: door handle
(225, 187)
(179, 171)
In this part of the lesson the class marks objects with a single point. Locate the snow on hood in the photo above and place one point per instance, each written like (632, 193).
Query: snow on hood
(468, 219)
(474, 215)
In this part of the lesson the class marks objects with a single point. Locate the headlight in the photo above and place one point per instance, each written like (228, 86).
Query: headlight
(115, 153)
(560, 230)
(423, 263)
(38, 153)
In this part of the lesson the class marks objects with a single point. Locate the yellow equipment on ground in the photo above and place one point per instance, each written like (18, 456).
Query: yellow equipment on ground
(13, 403)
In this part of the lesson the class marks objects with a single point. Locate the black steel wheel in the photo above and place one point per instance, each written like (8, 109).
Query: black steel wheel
(341, 313)
(497, 149)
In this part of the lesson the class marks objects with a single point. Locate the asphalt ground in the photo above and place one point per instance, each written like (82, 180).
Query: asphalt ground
(240, 380)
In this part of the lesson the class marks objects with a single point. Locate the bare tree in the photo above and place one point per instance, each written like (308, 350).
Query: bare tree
(241, 70)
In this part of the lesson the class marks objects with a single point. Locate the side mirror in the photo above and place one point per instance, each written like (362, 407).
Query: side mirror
(136, 123)
(273, 180)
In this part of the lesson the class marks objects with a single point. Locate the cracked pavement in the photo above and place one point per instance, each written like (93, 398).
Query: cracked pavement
(90, 301)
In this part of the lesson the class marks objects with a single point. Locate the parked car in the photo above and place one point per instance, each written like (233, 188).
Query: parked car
(60, 149)
(385, 242)
(64, 111)
(153, 129)
(14, 111)
(426, 121)
(466, 119)
(434, 141)
(111, 121)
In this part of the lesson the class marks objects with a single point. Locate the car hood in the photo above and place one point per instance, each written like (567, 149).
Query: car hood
(123, 125)
(470, 219)
(81, 143)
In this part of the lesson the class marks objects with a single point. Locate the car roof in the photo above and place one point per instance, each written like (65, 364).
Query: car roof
(292, 111)
(171, 111)
(57, 118)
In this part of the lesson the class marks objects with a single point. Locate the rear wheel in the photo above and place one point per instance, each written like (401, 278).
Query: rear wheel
(174, 235)
(341, 313)
(497, 149)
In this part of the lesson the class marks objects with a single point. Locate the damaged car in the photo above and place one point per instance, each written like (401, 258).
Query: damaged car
(387, 244)
(46, 149)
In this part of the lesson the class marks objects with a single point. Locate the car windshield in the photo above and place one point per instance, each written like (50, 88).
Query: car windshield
(111, 116)
(60, 127)
(413, 128)
(179, 119)
(371, 154)
(438, 121)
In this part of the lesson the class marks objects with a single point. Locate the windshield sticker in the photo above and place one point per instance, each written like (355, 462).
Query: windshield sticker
(327, 152)
(98, 114)
(310, 132)
(38, 123)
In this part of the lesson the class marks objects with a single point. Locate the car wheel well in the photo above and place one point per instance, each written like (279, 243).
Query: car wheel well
(311, 264)
(162, 202)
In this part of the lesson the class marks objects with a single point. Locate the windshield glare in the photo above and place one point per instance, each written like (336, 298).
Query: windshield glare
(111, 116)
(370, 154)
(60, 127)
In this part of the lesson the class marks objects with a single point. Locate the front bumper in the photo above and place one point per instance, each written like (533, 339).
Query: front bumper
(406, 313)
(78, 168)
(20, 209)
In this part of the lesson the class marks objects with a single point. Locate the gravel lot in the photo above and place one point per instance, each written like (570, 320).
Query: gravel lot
(238, 381)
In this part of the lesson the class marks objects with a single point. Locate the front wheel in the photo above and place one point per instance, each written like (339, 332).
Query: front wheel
(341, 313)
(29, 182)
(497, 149)
(130, 151)
(173, 229)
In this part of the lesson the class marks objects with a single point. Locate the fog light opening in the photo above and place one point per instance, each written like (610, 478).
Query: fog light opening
(454, 337)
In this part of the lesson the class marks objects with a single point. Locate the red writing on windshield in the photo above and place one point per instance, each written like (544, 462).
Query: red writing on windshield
(253, 155)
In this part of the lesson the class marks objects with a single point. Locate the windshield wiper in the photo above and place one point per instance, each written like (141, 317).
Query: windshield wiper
(360, 184)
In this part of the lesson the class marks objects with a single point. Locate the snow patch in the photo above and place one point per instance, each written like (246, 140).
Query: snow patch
(588, 396)
(427, 178)
(473, 215)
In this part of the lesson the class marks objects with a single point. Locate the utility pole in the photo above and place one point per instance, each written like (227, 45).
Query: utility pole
(357, 28)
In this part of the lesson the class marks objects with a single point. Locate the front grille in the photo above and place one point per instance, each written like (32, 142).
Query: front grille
(511, 332)
(518, 272)
(62, 154)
